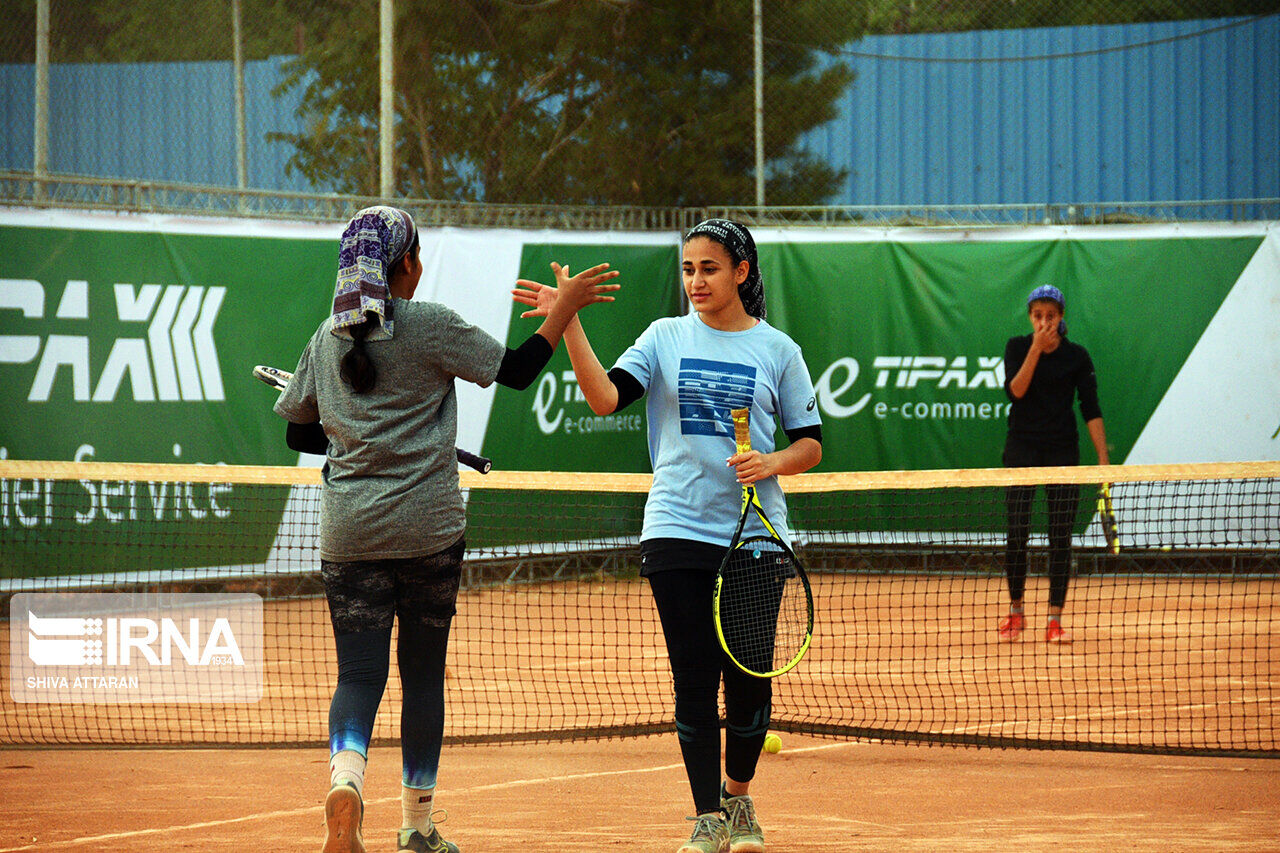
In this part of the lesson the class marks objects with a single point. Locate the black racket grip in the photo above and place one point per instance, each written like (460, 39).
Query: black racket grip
(471, 460)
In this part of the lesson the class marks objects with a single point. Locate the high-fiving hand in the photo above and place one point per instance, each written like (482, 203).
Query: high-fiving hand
(585, 288)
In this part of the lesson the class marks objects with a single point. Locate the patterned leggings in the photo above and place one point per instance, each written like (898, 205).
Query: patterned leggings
(365, 598)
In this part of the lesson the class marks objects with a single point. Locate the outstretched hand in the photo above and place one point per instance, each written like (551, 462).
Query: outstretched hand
(581, 290)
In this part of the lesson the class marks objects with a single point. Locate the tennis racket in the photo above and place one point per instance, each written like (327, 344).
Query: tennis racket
(763, 606)
(278, 379)
(1107, 517)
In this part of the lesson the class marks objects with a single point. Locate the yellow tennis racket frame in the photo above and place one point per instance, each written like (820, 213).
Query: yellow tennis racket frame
(742, 438)
(1107, 517)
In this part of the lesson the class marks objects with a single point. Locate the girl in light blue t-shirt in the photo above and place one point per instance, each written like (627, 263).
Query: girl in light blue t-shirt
(694, 370)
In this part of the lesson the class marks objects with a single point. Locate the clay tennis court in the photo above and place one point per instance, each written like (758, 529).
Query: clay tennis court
(817, 796)
(593, 651)
(559, 728)
(1173, 664)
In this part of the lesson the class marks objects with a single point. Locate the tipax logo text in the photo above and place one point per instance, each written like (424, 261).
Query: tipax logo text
(547, 401)
(173, 358)
(838, 397)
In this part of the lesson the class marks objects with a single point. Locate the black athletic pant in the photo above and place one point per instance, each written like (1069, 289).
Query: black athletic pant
(1062, 503)
(683, 598)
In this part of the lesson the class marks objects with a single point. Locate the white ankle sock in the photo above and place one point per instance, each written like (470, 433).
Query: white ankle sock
(347, 766)
(415, 806)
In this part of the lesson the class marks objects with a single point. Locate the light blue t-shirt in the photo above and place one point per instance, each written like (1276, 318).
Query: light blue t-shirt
(694, 376)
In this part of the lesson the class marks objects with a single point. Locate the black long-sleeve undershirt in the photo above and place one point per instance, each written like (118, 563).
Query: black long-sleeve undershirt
(629, 388)
(522, 365)
(1043, 414)
(306, 438)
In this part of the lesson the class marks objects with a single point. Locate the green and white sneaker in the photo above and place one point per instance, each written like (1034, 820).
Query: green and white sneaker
(745, 834)
(411, 839)
(710, 835)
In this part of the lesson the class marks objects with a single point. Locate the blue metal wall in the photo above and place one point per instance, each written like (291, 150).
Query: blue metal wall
(162, 121)
(1181, 118)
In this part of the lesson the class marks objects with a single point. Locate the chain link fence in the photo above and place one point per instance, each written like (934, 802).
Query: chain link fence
(619, 104)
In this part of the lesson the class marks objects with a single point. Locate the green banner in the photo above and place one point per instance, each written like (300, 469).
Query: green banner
(905, 340)
(138, 347)
(90, 528)
(550, 427)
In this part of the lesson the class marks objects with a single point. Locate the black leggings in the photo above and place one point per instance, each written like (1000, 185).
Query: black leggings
(1062, 500)
(683, 598)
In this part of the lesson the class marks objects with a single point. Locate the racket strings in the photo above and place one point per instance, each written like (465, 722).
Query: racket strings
(764, 608)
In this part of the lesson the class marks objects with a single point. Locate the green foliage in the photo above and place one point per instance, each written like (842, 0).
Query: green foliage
(642, 102)
(580, 101)
(152, 30)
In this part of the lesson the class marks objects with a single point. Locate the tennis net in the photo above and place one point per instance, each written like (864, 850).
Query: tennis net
(556, 636)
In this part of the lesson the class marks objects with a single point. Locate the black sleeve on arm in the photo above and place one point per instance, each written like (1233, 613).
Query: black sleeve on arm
(629, 388)
(1087, 386)
(522, 365)
(814, 432)
(307, 438)
(1013, 363)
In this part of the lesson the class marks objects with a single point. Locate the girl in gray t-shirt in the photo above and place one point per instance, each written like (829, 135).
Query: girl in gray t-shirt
(374, 392)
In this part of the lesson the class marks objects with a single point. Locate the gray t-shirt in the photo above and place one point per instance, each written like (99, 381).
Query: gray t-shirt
(391, 480)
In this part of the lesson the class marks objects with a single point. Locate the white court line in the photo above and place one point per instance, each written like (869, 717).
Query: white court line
(140, 833)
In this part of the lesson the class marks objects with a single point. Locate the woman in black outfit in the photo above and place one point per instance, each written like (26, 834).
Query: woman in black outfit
(1045, 374)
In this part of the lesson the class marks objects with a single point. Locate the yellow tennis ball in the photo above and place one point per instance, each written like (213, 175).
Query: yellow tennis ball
(772, 744)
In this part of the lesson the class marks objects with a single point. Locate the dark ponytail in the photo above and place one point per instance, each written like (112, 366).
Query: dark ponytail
(357, 368)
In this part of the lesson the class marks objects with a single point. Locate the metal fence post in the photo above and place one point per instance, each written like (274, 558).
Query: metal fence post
(387, 118)
(40, 166)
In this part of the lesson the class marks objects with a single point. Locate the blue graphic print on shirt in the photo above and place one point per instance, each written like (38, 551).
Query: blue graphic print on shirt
(709, 390)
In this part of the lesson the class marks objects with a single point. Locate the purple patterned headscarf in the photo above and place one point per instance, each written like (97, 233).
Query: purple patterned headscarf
(741, 247)
(373, 240)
